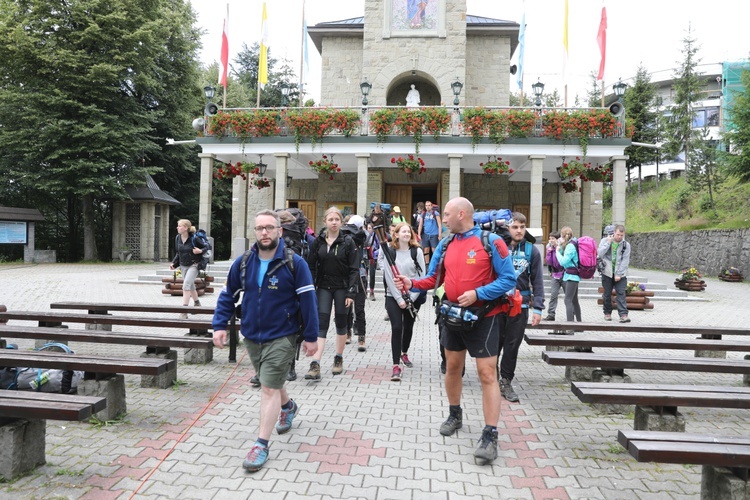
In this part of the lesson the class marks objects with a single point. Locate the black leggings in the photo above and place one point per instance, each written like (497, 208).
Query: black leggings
(326, 299)
(572, 306)
(402, 328)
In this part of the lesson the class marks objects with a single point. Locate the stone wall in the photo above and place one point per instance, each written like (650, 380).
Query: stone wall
(490, 57)
(707, 250)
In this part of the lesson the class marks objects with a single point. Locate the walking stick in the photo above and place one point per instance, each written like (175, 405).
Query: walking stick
(394, 270)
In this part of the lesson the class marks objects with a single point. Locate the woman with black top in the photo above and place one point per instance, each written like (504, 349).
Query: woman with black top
(334, 264)
(187, 257)
(409, 260)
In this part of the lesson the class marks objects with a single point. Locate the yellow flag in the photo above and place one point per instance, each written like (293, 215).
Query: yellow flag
(263, 58)
(565, 42)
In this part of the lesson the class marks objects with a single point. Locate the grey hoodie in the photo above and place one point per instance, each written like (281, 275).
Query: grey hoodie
(623, 257)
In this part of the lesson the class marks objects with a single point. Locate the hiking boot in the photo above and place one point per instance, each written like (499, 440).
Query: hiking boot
(371, 296)
(506, 390)
(286, 417)
(406, 361)
(442, 367)
(292, 375)
(255, 381)
(314, 372)
(361, 347)
(255, 459)
(396, 376)
(338, 365)
(607, 317)
(387, 318)
(487, 450)
(549, 317)
(349, 337)
(452, 424)
(624, 319)
(197, 303)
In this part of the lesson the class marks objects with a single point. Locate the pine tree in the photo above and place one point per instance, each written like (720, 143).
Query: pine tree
(594, 93)
(737, 138)
(704, 175)
(639, 102)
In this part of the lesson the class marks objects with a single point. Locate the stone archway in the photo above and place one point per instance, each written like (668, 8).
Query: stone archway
(429, 94)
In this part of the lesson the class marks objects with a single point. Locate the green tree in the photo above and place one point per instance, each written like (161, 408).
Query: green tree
(515, 100)
(737, 137)
(594, 93)
(639, 107)
(687, 88)
(96, 83)
(704, 174)
(246, 70)
(552, 100)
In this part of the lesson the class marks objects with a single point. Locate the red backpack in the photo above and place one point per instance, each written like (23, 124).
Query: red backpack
(587, 256)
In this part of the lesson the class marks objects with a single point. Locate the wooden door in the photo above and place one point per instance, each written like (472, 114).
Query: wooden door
(546, 218)
(307, 207)
(399, 195)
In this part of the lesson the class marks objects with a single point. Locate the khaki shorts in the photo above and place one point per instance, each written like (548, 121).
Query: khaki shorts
(272, 360)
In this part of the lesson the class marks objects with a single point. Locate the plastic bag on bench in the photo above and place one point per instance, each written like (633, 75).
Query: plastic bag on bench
(47, 380)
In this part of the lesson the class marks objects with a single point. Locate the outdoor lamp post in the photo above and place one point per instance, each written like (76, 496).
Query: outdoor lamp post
(289, 180)
(211, 108)
(619, 89)
(209, 91)
(261, 166)
(456, 86)
(365, 87)
(285, 94)
(538, 89)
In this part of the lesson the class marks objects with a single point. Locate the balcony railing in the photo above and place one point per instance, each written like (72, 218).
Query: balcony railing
(496, 124)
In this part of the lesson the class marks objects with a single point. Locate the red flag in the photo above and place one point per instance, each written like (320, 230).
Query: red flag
(224, 56)
(601, 39)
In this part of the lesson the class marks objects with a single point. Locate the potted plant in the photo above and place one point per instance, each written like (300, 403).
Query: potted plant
(496, 166)
(325, 166)
(125, 254)
(690, 280)
(600, 173)
(636, 296)
(730, 274)
(260, 182)
(410, 164)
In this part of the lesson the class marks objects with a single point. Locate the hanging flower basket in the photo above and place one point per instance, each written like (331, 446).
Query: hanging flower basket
(496, 167)
(260, 182)
(600, 173)
(241, 169)
(570, 186)
(731, 274)
(410, 164)
(573, 168)
(325, 166)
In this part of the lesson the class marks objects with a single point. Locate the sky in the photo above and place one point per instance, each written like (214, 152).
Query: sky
(640, 32)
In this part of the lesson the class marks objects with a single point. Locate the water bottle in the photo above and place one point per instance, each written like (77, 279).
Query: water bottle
(470, 316)
(450, 311)
(39, 381)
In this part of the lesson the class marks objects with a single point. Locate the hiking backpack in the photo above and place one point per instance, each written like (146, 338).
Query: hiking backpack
(43, 379)
(587, 257)
(295, 233)
(200, 240)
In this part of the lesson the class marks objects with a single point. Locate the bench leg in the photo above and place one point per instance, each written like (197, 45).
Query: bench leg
(198, 356)
(166, 379)
(722, 483)
(23, 444)
(112, 388)
(649, 419)
(606, 377)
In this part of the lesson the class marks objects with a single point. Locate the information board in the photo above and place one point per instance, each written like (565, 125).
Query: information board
(12, 232)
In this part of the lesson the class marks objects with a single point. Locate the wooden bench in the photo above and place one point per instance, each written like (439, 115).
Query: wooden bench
(23, 416)
(103, 376)
(614, 365)
(725, 460)
(590, 341)
(656, 405)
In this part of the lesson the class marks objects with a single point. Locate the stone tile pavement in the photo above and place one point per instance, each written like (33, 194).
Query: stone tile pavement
(358, 435)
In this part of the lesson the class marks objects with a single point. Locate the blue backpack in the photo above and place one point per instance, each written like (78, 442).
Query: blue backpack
(200, 240)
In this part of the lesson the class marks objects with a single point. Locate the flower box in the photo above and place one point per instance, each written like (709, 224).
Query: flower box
(690, 285)
(735, 278)
(633, 303)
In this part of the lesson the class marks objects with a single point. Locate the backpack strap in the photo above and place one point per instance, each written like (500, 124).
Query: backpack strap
(413, 251)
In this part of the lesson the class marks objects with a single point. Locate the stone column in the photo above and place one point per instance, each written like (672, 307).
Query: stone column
(454, 185)
(535, 193)
(282, 167)
(618, 188)
(239, 216)
(206, 191)
(586, 202)
(363, 161)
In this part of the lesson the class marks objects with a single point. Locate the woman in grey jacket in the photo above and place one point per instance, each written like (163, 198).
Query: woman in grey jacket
(614, 253)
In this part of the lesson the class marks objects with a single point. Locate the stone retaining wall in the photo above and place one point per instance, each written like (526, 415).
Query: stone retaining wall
(709, 251)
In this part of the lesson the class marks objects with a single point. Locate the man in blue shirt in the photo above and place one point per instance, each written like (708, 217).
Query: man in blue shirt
(430, 229)
(277, 294)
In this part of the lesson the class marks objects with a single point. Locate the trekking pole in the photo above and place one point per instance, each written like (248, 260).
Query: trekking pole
(394, 270)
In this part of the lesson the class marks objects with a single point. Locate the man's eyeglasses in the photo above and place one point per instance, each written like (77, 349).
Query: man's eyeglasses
(268, 229)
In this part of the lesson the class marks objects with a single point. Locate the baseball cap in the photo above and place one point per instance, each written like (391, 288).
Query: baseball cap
(397, 209)
(357, 220)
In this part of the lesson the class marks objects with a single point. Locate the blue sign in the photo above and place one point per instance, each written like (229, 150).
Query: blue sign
(12, 232)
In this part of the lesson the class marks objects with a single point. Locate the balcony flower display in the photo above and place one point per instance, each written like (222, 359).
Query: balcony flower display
(381, 122)
(498, 125)
(496, 166)
(315, 123)
(244, 124)
(410, 164)
(325, 166)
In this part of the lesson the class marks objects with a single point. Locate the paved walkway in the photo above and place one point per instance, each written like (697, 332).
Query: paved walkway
(358, 435)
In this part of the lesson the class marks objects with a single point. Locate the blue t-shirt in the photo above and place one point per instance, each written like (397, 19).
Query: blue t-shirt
(430, 225)
(262, 271)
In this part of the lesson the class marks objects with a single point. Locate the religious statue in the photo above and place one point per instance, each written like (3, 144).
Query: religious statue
(412, 98)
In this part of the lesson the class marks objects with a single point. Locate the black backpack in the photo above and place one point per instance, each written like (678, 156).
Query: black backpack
(200, 240)
(295, 233)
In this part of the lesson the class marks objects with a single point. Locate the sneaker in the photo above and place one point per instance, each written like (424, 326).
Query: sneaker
(387, 318)
(361, 347)
(624, 319)
(452, 424)
(255, 381)
(349, 338)
(487, 450)
(549, 317)
(292, 375)
(256, 458)
(183, 315)
(314, 372)
(396, 376)
(286, 417)
(406, 361)
(506, 390)
(197, 303)
(372, 295)
(607, 317)
(442, 367)
(338, 365)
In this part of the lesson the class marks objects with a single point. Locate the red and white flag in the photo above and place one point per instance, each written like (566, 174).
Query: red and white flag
(601, 39)
(224, 55)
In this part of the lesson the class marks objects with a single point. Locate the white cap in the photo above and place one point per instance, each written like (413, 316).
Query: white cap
(357, 220)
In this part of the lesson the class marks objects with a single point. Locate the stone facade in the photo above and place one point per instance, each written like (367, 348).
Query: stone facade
(486, 80)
